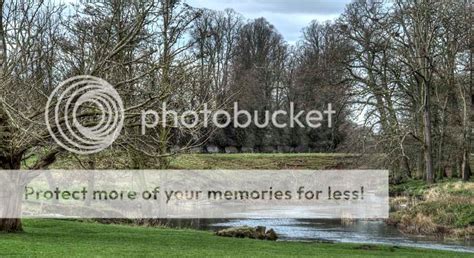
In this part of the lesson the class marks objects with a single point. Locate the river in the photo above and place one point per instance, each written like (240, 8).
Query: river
(366, 232)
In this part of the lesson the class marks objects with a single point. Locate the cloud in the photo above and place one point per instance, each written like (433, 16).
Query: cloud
(276, 6)
(289, 17)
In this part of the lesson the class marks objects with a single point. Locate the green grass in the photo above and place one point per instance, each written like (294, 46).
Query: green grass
(223, 161)
(446, 212)
(58, 238)
(417, 188)
(263, 161)
(414, 188)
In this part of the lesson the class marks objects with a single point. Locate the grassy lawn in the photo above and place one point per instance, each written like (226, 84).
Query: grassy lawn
(264, 161)
(54, 238)
(223, 161)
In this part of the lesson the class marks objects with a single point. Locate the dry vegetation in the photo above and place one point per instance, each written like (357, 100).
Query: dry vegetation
(442, 210)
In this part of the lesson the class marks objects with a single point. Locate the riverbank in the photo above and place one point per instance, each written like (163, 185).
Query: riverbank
(443, 210)
(57, 238)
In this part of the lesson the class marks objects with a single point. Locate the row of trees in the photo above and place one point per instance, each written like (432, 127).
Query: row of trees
(250, 63)
(411, 64)
(403, 69)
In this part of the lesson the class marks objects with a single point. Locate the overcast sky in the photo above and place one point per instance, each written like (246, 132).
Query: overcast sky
(288, 16)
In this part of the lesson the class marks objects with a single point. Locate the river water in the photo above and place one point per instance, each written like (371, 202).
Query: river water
(366, 232)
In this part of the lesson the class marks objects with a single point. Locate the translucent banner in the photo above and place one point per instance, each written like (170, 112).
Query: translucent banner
(194, 193)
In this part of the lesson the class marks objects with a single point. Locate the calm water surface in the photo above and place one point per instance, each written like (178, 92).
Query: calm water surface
(367, 232)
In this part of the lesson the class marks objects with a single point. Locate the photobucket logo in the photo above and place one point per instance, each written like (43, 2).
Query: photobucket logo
(239, 119)
(84, 114)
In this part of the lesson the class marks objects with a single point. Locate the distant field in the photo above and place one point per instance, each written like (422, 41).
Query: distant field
(106, 160)
(61, 238)
(224, 161)
(264, 161)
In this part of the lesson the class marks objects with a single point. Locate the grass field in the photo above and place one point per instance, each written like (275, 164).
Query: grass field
(59, 238)
(222, 161)
(263, 161)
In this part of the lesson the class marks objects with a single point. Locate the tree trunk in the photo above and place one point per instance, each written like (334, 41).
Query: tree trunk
(10, 210)
(427, 136)
(466, 140)
(10, 202)
(11, 225)
(466, 168)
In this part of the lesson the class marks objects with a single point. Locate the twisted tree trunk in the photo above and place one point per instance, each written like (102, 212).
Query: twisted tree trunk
(9, 204)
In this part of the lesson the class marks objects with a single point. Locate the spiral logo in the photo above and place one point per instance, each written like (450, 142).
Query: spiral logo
(84, 114)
